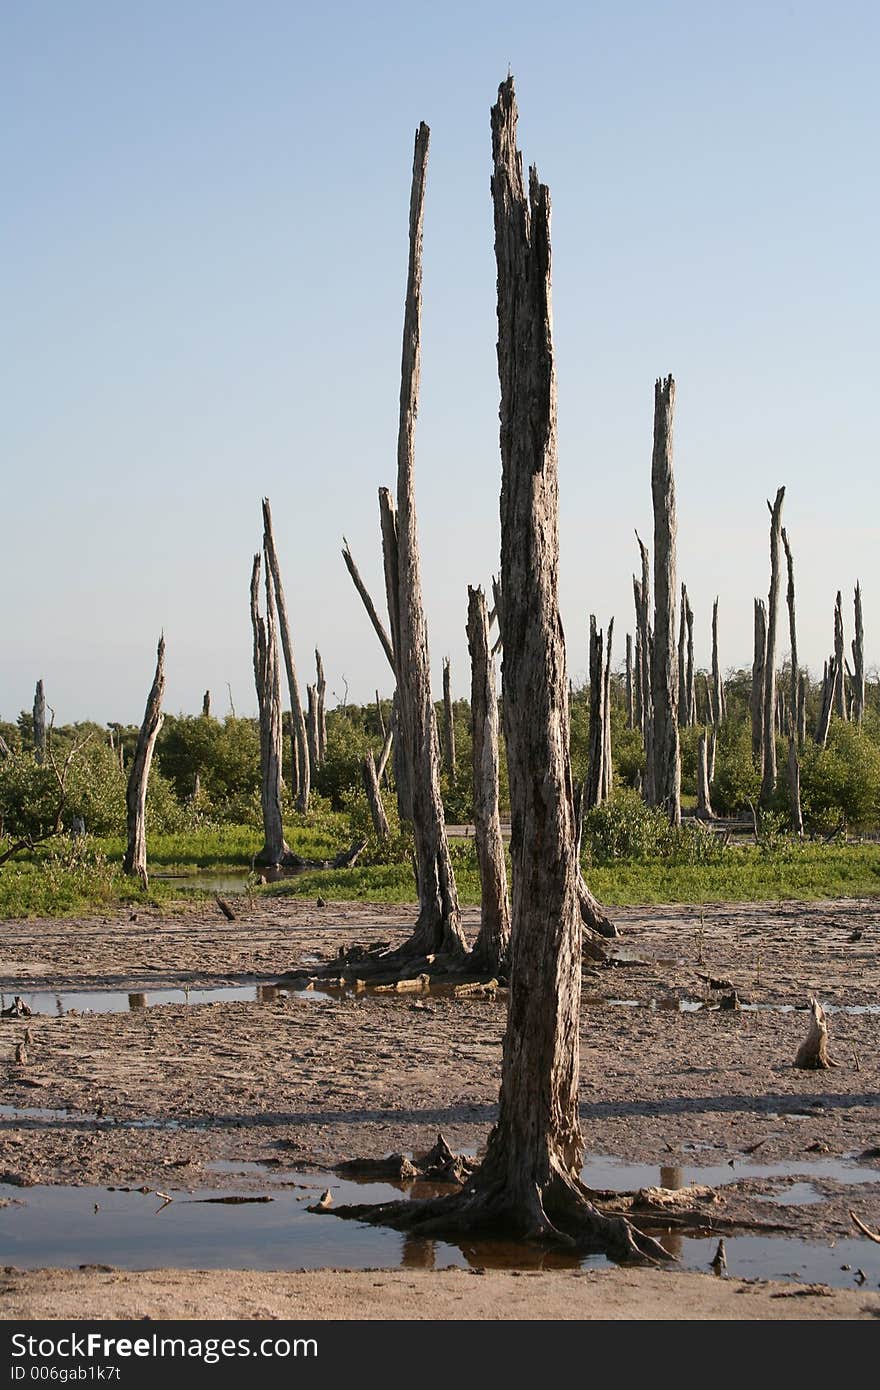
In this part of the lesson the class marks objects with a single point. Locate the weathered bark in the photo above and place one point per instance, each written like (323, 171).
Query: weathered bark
(206, 705)
(639, 675)
(135, 861)
(704, 802)
(312, 727)
(757, 701)
(492, 947)
(448, 723)
(829, 685)
(768, 778)
(717, 682)
(321, 711)
(858, 652)
(682, 658)
(794, 781)
(391, 569)
(839, 699)
(595, 779)
(39, 723)
(691, 670)
(630, 694)
(267, 678)
(301, 767)
(667, 756)
(378, 625)
(607, 764)
(792, 637)
(713, 747)
(374, 798)
(439, 922)
(642, 591)
(802, 709)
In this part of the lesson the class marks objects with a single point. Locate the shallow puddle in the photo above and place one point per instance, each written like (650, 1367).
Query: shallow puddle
(202, 1229)
(605, 1173)
(108, 1001)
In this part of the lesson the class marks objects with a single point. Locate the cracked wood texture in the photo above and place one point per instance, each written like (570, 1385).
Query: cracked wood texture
(768, 777)
(493, 942)
(667, 756)
(267, 678)
(301, 775)
(135, 861)
(439, 922)
(537, 1137)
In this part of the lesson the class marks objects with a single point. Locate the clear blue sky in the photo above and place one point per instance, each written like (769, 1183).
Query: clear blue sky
(204, 226)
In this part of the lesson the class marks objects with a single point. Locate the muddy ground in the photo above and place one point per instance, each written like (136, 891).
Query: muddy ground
(308, 1083)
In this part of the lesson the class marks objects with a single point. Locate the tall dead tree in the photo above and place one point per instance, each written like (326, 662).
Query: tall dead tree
(607, 762)
(826, 704)
(704, 803)
(492, 947)
(667, 755)
(135, 860)
(206, 705)
(630, 693)
(802, 709)
(301, 774)
(596, 754)
(690, 668)
(267, 678)
(682, 659)
(312, 727)
(39, 723)
(794, 779)
(792, 628)
(638, 672)
(321, 710)
(757, 700)
(858, 652)
(768, 779)
(448, 722)
(840, 708)
(439, 922)
(374, 798)
(642, 591)
(717, 682)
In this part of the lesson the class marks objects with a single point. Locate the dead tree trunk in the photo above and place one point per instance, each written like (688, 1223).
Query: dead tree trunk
(829, 685)
(858, 651)
(607, 764)
(792, 637)
(448, 723)
(757, 701)
(802, 709)
(691, 670)
(39, 723)
(717, 682)
(794, 780)
(683, 710)
(378, 625)
(638, 674)
(492, 946)
(839, 680)
(379, 715)
(643, 591)
(593, 790)
(299, 744)
(206, 705)
(667, 756)
(267, 678)
(439, 922)
(768, 779)
(391, 566)
(374, 798)
(321, 711)
(630, 694)
(713, 747)
(312, 727)
(704, 802)
(386, 746)
(135, 861)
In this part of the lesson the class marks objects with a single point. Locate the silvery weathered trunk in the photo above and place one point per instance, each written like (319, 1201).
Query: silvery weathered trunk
(717, 682)
(682, 658)
(826, 705)
(642, 590)
(595, 779)
(794, 782)
(321, 711)
(312, 728)
(374, 798)
(630, 695)
(757, 701)
(439, 922)
(607, 763)
(135, 860)
(802, 709)
(704, 803)
(267, 678)
(858, 651)
(690, 669)
(39, 723)
(768, 778)
(638, 673)
(448, 722)
(792, 634)
(301, 768)
(492, 946)
(667, 757)
(839, 678)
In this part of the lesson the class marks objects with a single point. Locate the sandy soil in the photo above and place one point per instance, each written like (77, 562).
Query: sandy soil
(310, 1083)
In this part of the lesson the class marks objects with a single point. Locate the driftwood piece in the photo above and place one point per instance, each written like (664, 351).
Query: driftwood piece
(768, 778)
(225, 908)
(439, 922)
(865, 1230)
(667, 755)
(493, 941)
(812, 1055)
(135, 861)
(299, 749)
